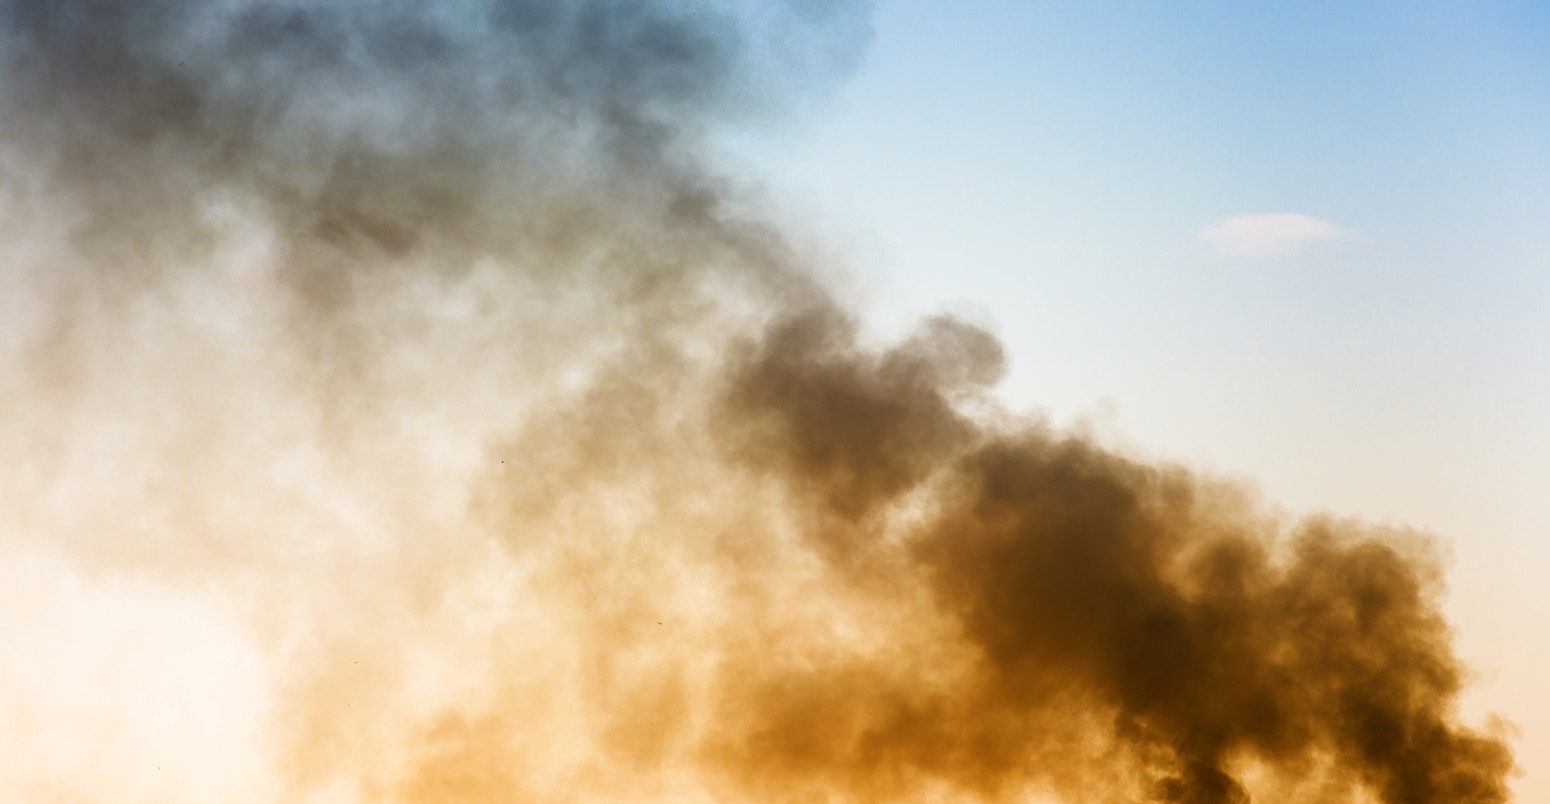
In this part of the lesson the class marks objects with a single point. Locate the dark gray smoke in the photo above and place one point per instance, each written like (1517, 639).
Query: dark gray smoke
(399, 408)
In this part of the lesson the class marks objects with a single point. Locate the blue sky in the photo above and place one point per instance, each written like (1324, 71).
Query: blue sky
(1052, 167)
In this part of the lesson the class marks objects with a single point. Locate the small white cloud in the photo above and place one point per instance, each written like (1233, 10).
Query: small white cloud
(1265, 237)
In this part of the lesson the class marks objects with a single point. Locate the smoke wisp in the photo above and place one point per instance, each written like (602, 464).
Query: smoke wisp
(397, 408)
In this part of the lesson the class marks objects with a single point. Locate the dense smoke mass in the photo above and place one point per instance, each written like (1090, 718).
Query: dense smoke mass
(396, 408)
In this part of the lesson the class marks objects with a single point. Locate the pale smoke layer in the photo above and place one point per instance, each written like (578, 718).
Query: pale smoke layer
(394, 411)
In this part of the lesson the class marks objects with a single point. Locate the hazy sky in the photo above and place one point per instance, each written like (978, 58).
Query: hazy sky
(1301, 243)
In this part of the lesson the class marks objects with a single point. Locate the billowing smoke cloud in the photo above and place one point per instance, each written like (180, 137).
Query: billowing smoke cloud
(396, 408)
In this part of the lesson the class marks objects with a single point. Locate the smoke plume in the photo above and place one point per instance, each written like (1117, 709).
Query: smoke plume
(397, 407)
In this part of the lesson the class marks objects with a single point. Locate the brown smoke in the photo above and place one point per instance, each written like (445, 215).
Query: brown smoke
(396, 409)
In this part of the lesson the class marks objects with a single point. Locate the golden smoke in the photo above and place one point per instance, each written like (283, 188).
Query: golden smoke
(395, 409)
